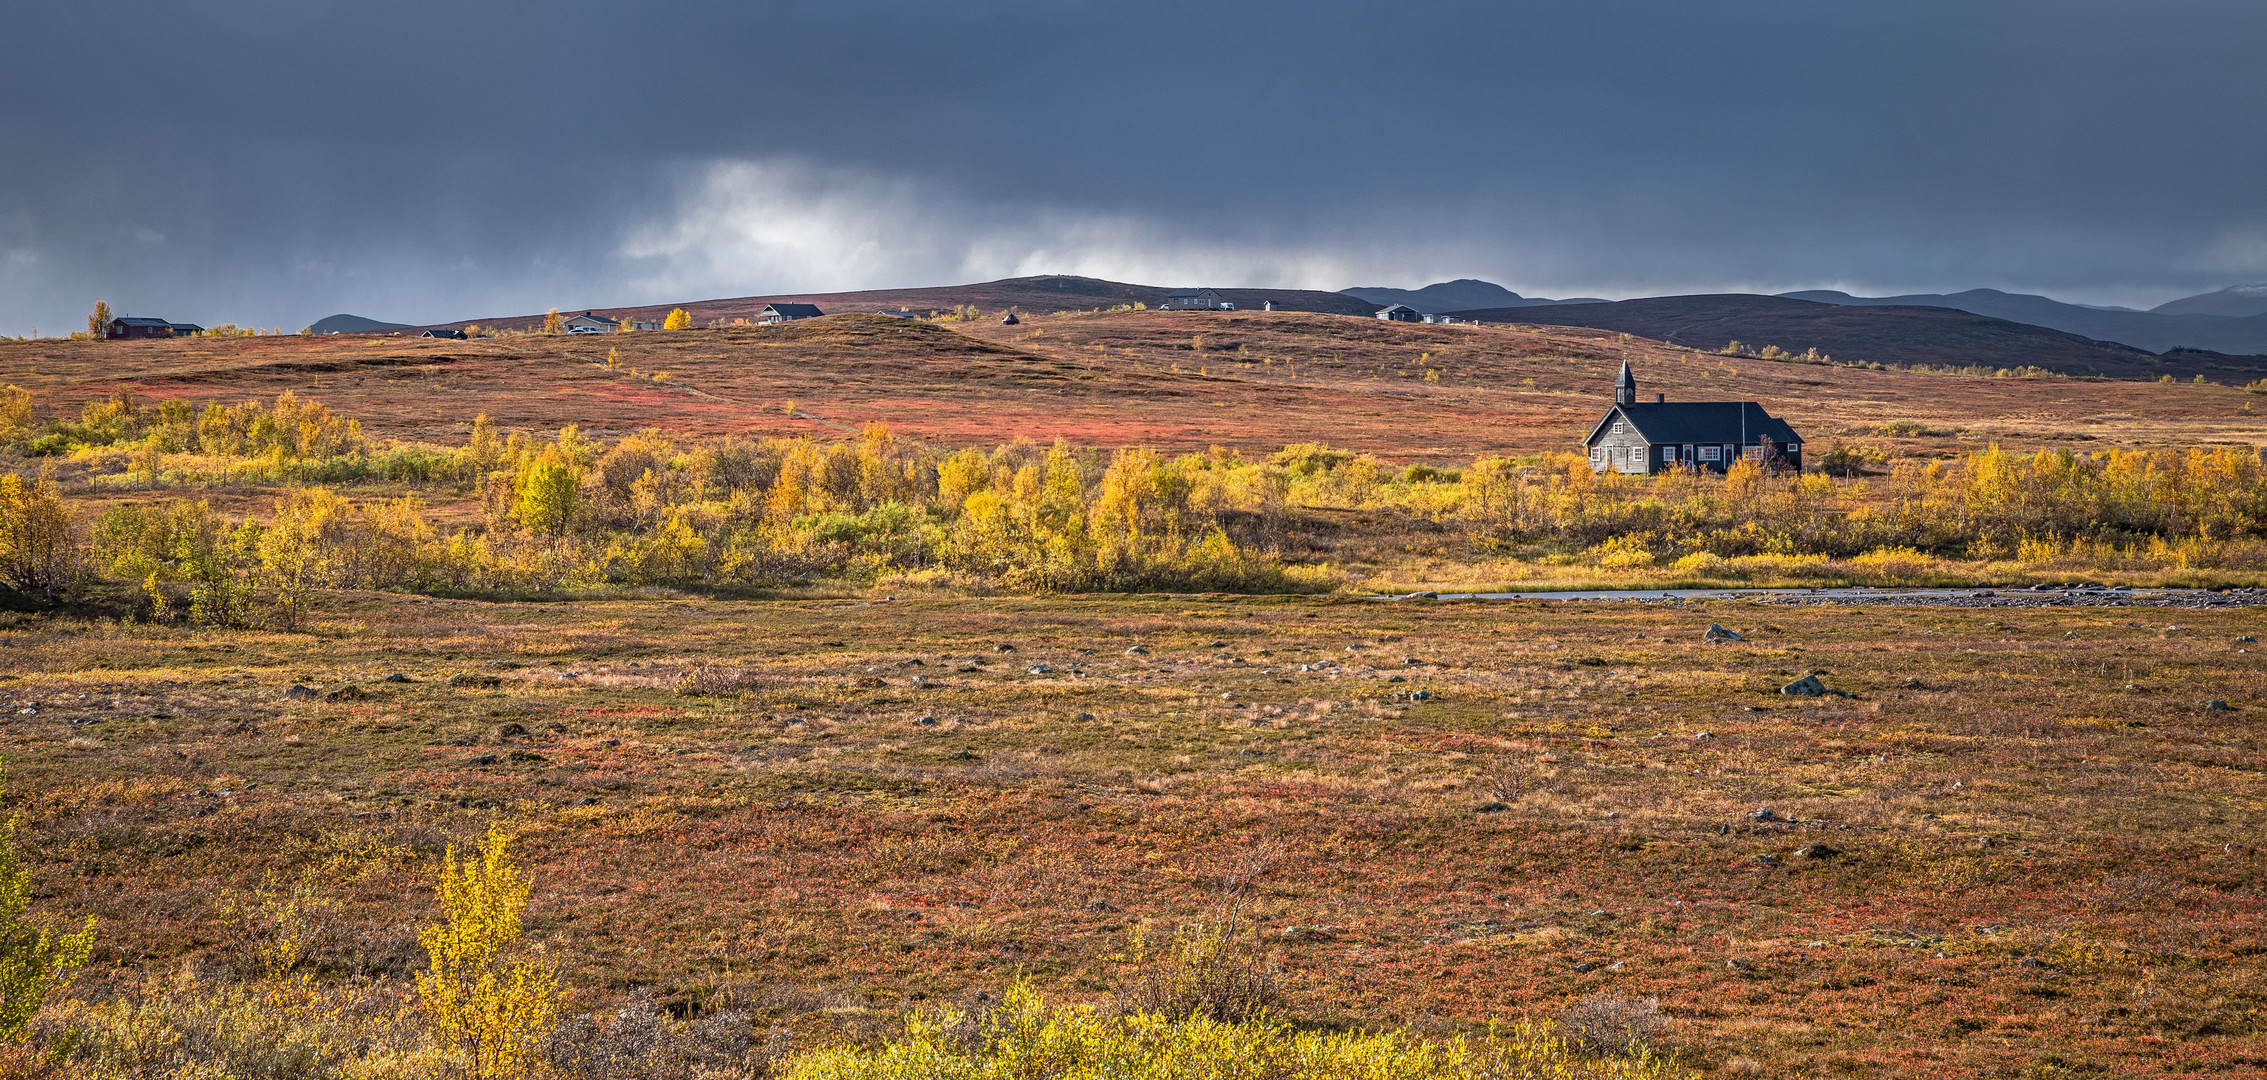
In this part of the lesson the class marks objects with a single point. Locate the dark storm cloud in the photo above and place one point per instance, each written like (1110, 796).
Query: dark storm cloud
(272, 161)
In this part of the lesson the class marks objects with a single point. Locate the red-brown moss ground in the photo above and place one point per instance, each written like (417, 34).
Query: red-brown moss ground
(2043, 851)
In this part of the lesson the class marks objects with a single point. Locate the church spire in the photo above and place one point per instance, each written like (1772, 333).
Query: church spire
(1625, 387)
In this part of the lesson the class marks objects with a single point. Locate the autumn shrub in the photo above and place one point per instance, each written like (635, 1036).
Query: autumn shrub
(485, 1002)
(35, 963)
(1607, 1023)
(1211, 969)
(1026, 1036)
(42, 548)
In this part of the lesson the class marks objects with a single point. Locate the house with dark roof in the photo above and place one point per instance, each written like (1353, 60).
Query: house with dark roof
(445, 332)
(588, 323)
(1400, 313)
(184, 329)
(135, 326)
(774, 314)
(1653, 436)
(1196, 300)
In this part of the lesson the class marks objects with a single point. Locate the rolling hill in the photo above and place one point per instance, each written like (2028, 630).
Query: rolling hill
(1931, 335)
(1178, 381)
(354, 324)
(1459, 295)
(2229, 321)
(2235, 301)
(1032, 295)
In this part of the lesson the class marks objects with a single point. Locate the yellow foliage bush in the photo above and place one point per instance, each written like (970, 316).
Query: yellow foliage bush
(487, 1006)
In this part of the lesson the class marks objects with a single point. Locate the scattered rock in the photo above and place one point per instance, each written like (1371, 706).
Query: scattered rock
(1138, 650)
(1042, 669)
(611, 742)
(968, 755)
(511, 730)
(1420, 695)
(1083, 717)
(1309, 933)
(1716, 632)
(1492, 808)
(1807, 686)
(1586, 966)
(1100, 905)
(28, 710)
(527, 756)
(467, 679)
(2247, 640)
(503, 665)
(870, 682)
(397, 677)
(349, 692)
(1912, 684)
(1817, 851)
(1003, 647)
(1767, 860)
(2217, 705)
(1215, 644)
(1704, 735)
(1763, 814)
(302, 693)
(925, 721)
(486, 759)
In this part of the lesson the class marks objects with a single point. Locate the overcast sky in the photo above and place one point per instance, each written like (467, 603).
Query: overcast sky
(271, 162)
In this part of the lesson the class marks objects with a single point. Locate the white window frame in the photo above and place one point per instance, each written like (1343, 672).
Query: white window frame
(1617, 427)
(1752, 453)
(1668, 455)
(1711, 453)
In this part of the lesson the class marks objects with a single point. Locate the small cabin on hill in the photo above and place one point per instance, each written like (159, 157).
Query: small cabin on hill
(1401, 313)
(774, 314)
(1654, 436)
(587, 323)
(1196, 300)
(445, 332)
(126, 327)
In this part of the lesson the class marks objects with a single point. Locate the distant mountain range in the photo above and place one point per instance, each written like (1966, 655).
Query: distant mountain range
(2233, 320)
(2214, 334)
(1921, 334)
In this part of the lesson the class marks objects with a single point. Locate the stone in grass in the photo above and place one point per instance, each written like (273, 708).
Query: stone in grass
(1492, 808)
(397, 677)
(1763, 814)
(511, 730)
(468, 679)
(302, 693)
(925, 721)
(1042, 669)
(349, 692)
(1716, 632)
(486, 759)
(1817, 851)
(2218, 705)
(1807, 686)
(2247, 639)
(1138, 650)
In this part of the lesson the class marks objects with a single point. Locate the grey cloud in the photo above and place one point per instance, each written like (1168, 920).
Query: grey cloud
(427, 160)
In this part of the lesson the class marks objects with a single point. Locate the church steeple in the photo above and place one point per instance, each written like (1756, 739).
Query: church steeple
(1625, 387)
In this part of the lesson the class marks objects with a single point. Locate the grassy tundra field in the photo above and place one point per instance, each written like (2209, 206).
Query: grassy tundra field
(2022, 846)
(815, 690)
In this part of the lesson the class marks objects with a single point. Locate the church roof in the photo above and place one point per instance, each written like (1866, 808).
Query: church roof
(1700, 422)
